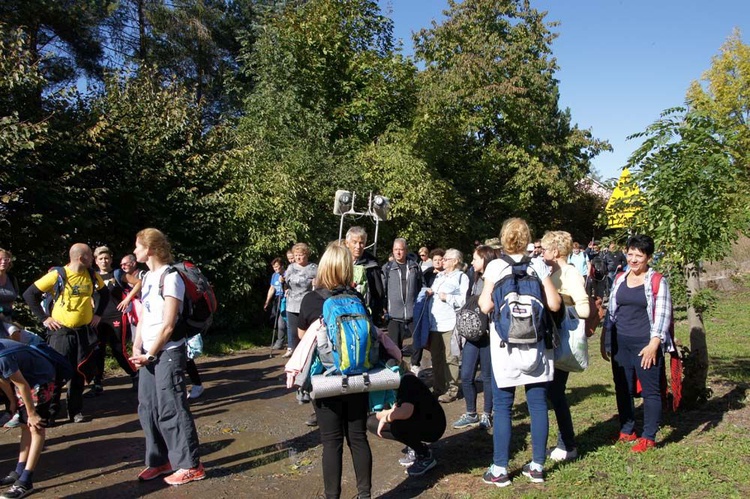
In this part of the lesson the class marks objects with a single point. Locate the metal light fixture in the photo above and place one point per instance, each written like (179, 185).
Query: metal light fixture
(343, 203)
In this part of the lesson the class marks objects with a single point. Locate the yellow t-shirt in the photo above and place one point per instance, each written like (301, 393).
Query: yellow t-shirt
(73, 307)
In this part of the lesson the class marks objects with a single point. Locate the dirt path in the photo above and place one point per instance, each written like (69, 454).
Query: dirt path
(254, 443)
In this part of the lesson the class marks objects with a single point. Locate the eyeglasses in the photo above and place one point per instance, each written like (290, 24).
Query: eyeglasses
(423, 254)
(537, 247)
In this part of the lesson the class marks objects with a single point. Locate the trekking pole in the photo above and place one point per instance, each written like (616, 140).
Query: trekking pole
(275, 330)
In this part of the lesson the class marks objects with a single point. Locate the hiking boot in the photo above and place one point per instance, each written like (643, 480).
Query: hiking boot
(422, 465)
(195, 392)
(312, 420)
(485, 421)
(10, 479)
(466, 421)
(559, 455)
(643, 444)
(154, 472)
(287, 354)
(182, 476)
(502, 480)
(17, 490)
(536, 476)
(409, 458)
(627, 437)
(94, 391)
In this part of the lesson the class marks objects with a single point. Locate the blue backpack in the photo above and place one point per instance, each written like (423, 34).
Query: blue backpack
(520, 307)
(353, 347)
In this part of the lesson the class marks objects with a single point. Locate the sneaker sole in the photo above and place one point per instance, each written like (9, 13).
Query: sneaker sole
(533, 479)
(498, 484)
(469, 425)
(162, 473)
(186, 481)
(406, 464)
(432, 465)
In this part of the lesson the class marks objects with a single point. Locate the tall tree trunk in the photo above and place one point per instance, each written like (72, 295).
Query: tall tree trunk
(696, 366)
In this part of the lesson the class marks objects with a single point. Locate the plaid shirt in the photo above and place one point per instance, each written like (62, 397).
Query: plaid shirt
(659, 310)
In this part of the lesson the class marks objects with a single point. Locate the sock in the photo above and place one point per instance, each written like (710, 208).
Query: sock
(26, 477)
(498, 470)
(20, 467)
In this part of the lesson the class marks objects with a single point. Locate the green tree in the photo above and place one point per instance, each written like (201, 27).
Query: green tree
(691, 204)
(723, 93)
(488, 118)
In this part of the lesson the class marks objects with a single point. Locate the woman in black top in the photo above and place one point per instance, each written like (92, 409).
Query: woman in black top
(343, 415)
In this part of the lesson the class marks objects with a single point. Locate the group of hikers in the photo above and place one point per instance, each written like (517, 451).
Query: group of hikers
(518, 314)
(509, 314)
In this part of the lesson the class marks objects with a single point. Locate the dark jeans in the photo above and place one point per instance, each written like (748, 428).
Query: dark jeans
(559, 402)
(536, 400)
(473, 353)
(339, 417)
(77, 345)
(111, 333)
(399, 330)
(412, 432)
(626, 366)
(164, 413)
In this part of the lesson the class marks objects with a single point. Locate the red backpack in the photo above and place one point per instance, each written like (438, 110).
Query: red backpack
(199, 304)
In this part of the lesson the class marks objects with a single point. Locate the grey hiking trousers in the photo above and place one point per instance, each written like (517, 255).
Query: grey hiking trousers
(164, 412)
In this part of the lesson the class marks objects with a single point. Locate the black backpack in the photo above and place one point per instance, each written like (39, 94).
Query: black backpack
(600, 267)
(471, 322)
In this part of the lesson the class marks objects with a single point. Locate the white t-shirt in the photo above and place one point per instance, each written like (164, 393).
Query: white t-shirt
(153, 306)
(517, 365)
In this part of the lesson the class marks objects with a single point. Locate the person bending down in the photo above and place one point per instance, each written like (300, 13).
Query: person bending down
(416, 418)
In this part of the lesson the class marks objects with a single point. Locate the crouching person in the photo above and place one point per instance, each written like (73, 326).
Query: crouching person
(415, 418)
(28, 380)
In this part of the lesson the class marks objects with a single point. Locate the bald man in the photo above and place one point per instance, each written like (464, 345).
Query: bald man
(71, 322)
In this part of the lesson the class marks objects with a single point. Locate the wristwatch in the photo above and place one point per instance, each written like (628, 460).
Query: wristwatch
(150, 358)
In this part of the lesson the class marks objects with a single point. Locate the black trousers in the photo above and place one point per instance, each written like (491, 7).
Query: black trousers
(111, 333)
(412, 432)
(339, 417)
(77, 345)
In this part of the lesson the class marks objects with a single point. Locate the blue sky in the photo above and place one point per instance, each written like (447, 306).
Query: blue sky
(621, 62)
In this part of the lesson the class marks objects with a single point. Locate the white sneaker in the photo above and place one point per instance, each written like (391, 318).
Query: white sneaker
(287, 354)
(558, 454)
(195, 392)
(415, 370)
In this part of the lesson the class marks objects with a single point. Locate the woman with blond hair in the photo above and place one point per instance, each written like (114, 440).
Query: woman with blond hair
(513, 364)
(160, 355)
(342, 415)
(299, 278)
(556, 247)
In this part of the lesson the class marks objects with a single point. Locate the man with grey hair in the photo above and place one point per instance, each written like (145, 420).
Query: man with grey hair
(367, 277)
(402, 280)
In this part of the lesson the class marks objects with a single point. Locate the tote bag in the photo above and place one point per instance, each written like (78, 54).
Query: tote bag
(572, 353)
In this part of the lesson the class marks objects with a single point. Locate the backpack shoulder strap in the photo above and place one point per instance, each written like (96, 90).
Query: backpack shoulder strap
(170, 269)
(508, 260)
(656, 278)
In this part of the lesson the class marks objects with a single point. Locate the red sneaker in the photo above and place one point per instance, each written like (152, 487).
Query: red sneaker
(154, 472)
(643, 444)
(183, 476)
(627, 437)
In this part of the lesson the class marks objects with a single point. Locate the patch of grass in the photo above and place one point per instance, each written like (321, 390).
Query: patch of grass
(701, 453)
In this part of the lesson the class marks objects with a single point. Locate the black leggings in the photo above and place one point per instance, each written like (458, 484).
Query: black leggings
(412, 432)
(192, 370)
(339, 417)
(112, 335)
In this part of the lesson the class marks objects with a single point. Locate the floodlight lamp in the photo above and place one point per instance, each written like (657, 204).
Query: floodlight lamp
(380, 207)
(343, 202)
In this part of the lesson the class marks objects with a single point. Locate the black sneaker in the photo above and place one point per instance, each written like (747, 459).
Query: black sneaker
(422, 465)
(17, 490)
(10, 479)
(312, 420)
(94, 391)
(534, 475)
(498, 481)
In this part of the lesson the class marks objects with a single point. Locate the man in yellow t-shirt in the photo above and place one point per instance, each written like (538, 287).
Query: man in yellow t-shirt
(70, 325)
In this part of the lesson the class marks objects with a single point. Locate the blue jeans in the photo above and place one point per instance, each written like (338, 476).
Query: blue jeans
(626, 366)
(556, 394)
(471, 354)
(536, 399)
